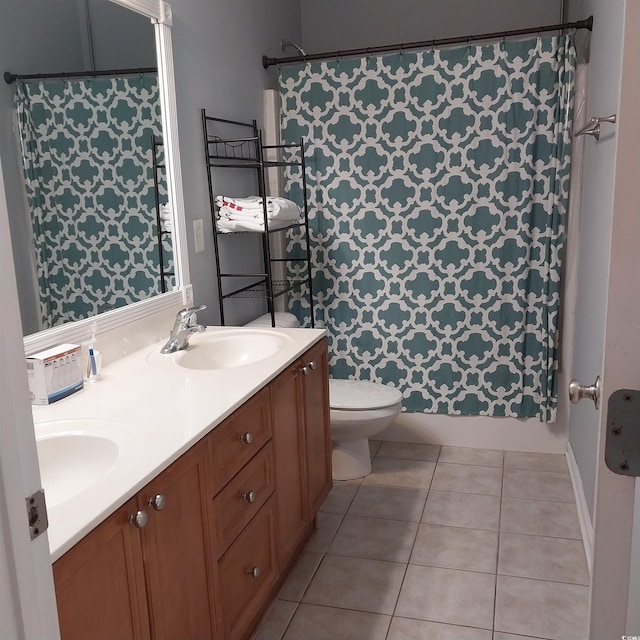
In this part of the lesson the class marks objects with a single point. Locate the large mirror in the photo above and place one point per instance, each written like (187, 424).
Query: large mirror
(90, 168)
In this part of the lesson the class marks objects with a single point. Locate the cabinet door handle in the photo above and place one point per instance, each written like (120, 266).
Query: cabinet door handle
(247, 437)
(254, 572)
(158, 502)
(309, 367)
(139, 519)
(250, 496)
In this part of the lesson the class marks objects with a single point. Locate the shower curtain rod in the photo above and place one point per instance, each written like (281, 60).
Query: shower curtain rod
(442, 42)
(10, 78)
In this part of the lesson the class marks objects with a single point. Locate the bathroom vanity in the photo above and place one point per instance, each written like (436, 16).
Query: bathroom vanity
(200, 549)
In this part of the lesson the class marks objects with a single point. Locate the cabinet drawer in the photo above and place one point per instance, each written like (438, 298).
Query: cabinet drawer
(239, 438)
(247, 572)
(242, 498)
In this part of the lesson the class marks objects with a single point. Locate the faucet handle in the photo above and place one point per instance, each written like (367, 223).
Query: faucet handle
(184, 315)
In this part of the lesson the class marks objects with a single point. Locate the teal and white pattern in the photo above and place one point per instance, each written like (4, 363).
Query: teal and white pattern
(438, 185)
(87, 155)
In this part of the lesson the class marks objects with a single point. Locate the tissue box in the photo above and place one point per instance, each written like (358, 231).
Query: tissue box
(54, 373)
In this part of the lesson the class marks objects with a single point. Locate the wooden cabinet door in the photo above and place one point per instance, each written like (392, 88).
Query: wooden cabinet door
(176, 544)
(247, 573)
(287, 397)
(316, 421)
(100, 583)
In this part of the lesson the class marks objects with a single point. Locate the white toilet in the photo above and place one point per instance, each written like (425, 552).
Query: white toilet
(358, 411)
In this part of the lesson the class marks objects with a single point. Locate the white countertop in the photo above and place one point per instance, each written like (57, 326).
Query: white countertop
(165, 410)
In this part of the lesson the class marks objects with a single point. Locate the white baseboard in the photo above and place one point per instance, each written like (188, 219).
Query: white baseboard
(586, 526)
(482, 432)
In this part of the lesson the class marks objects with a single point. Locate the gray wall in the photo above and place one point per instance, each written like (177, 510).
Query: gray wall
(121, 38)
(329, 25)
(218, 48)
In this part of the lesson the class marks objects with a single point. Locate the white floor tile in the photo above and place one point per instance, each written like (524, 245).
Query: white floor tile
(446, 595)
(300, 576)
(467, 478)
(399, 472)
(470, 510)
(537, 485)
(409, 451)
(276, 621)
(413, 552)
(456, 548)
(356, 583)
(540, 517)
(466, 455)
(312, 622)
(543, 558)
(374, 538)
(536, 608)
(391, 503)
(408, 629)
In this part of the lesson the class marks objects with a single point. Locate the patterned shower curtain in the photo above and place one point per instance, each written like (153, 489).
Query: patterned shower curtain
(87, 155)
(438, 185)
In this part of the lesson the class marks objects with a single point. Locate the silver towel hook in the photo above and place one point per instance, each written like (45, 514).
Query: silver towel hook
(592, 128)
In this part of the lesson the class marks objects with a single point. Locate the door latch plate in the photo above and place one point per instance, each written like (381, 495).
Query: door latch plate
(37, 514)
(622, 445)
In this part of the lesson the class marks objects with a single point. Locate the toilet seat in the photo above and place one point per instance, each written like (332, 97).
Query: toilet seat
(357, 395)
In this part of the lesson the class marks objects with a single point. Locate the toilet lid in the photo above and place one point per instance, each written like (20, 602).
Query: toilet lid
(358, 395)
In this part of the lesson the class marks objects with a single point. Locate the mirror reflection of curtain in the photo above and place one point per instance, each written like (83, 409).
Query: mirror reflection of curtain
(87, 154)
(438, 186)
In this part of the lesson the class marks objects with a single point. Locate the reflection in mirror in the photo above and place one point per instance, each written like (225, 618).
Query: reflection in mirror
(94, 232)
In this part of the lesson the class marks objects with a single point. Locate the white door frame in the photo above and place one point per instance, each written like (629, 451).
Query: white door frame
(27, 602)
(614, 494)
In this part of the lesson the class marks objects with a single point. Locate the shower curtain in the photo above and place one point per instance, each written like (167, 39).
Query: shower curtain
(86, 152)
(438, 185)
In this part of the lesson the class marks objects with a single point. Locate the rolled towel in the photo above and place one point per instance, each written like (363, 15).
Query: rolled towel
(166, 217)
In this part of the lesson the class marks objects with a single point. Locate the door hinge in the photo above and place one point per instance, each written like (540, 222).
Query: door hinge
(37, 514)
(622, 444)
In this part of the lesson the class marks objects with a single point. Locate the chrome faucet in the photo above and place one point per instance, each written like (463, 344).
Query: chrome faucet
(183, 327)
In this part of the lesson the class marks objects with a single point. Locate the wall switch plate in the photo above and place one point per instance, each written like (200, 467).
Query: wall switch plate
(198, 235)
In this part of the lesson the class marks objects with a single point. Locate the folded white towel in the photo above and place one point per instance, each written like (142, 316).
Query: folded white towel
(253, 207)
(225, 225)
(232, 214)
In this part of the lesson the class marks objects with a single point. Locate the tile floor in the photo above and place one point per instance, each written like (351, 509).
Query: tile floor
(441, 543)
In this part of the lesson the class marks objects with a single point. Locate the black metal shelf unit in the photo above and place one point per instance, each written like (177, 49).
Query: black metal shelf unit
(248, 152)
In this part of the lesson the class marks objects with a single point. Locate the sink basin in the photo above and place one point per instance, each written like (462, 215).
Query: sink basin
(75, 455)
(223, 349)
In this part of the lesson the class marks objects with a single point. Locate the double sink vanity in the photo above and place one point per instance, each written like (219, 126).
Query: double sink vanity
(180, 488)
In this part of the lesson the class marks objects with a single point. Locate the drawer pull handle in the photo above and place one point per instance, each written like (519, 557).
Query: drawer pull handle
(247, 437)
(139, 519)
(309, 367)
(254, 572)
(158, 502)
(250, 496)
